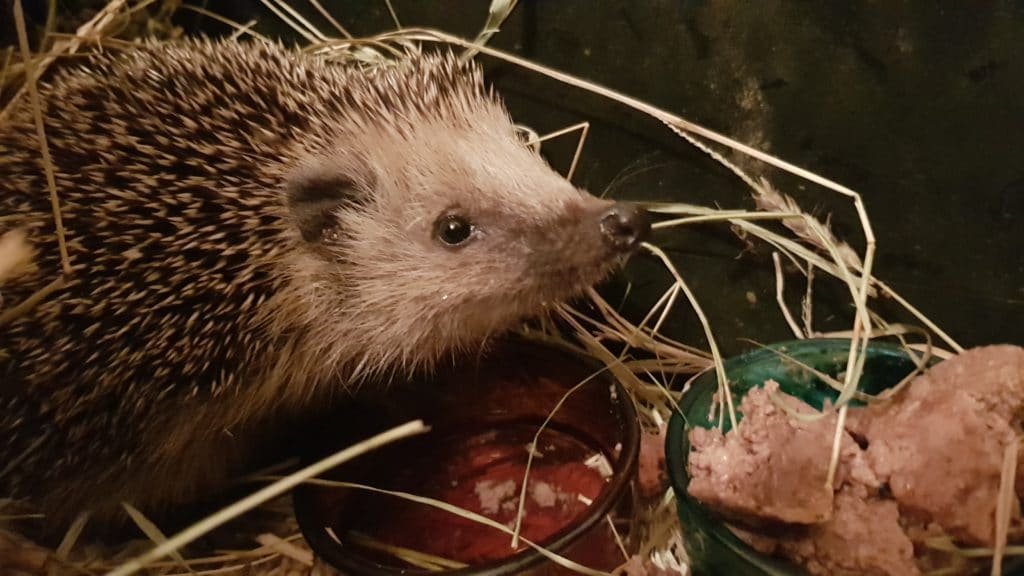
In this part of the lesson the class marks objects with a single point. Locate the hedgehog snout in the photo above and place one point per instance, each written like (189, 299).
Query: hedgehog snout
(625, 226)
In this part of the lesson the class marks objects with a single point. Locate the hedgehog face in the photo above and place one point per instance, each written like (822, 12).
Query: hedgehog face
(436, 238)
(430, 226)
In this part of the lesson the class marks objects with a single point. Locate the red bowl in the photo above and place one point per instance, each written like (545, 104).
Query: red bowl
(483, 418)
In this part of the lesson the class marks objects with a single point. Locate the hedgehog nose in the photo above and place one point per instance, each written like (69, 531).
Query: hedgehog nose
(625, 226)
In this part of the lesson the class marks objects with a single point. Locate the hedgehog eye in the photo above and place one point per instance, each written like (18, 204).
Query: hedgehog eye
(453, 230)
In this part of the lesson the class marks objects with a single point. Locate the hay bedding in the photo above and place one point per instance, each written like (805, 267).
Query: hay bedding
(636, 353)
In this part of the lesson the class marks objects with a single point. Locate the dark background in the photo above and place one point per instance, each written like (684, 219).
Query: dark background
(917, 105)
(919, 108)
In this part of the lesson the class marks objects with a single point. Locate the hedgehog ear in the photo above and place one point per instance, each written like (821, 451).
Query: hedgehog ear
(314, 196)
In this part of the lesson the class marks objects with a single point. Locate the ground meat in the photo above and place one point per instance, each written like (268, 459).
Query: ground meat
(939, 443)
(941, 455)
(930, 467)
(991, 375)
(772, 467)
(862, 537)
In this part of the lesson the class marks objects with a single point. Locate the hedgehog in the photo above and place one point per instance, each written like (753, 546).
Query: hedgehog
(252, 229)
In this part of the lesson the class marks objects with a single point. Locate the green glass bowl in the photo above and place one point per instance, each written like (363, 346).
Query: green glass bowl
(712, 548)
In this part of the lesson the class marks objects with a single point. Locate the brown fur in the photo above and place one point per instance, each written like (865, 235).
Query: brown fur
(250, 229)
